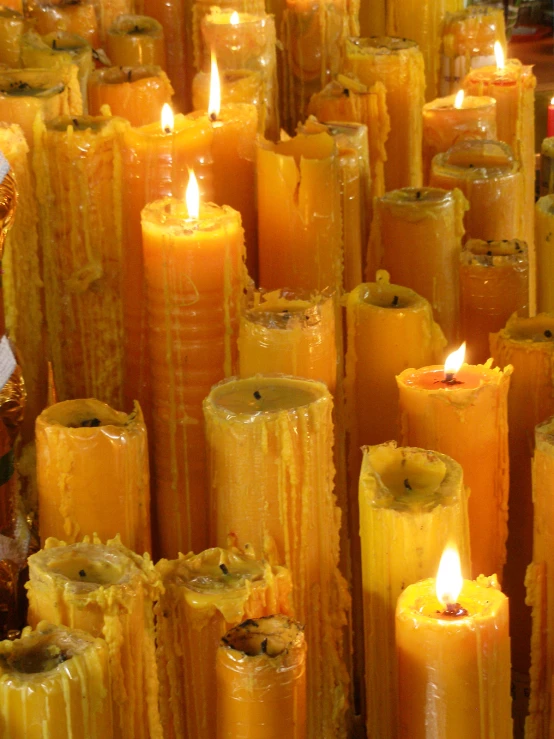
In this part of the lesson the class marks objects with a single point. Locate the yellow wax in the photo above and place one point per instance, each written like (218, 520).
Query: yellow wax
(544, 240)
(454, 671)
(136, 40)
(271, 466)
(78, 173)
(416, 235)
(54, 682)
(109, 591)
(12, 26)
(412, 505)
(71, 16)
(204, 596)
(547, 167)
(398, 64)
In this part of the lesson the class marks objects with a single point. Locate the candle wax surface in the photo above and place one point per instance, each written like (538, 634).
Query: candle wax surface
(430, 378)
(275, 395)
(479, 602)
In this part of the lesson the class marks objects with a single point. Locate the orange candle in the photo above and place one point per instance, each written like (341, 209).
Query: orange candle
(71, 16)
(136, 40)
(194, 271)
(261, 680)
(12, 27)
(462, 410)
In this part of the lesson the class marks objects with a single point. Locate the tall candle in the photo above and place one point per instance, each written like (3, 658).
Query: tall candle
(136, 40)
(204, 596)
(12, 26)
(544, 233)
(412, 504)
(66, 15)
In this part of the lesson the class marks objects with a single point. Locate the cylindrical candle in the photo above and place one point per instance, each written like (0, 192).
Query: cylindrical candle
(416, 235)
(92, 473)
(494, 283)
(466, 418)
(136, 40)
(412, 504)
(54, 682)
(12, 26)
(204, 596)
(71, 16)
(398, 64)
(271, 466)
(547, 167)
(194, 271)
(445, 122)
(109, 591)
(544, 235)
(236, 86)
(261, 680)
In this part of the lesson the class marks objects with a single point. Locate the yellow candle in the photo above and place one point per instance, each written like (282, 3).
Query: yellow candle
(449, 120)
(527, 344)
(544, 233)
(71, 16)
(398, 64)
(261, 680)
(12, 26)
(109, 591)
(416, 235)
(271, 465)
(194, 271)
(547, 166)
(204, 596)
(453, 660)
(77, 168)
(494, 283)
(237, 86)
(412, 504)
(136, 40)
(464, 413)
(54, 682)
(92, 470)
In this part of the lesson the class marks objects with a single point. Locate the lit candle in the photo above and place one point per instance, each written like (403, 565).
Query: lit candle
(453, 654)
(412, 503)
(136, 40)
(544, 233)
(71, 16)
(550, 121)
(204, 596)
(12, 26)
(462, 410)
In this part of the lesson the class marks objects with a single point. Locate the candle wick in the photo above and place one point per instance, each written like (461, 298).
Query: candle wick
(257, 395)
(213, 117)
(264, 646)
(455, 610)
(167, 129)
(395, 301)
(224, 568)
(407, 484)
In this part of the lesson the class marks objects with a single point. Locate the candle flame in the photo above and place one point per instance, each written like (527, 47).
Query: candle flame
(499, 55)
(214, 104)
(234, 18)
(454, 361)
(459, 101)
(552, 101)
(168, 119)
(449, 577)
(192, 196)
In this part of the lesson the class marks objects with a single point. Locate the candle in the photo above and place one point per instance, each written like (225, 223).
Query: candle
(136, 40)
(416, 235)
(270, 453)
(527, 344)
(494, 283)
(544, 232)
(109, 591)
(453, 654)
(412, 503)
(77, 168)
(71, 16)
(489, 177)
(14, 5)
(398, 64)
(462, 410)
(550, 121)
(135, 93)
(54, 682)
(75, 440)
(456, 118)
(12, 26)
(237, 86)
(204, 596)
(194, 271)
(547, 167)
(261, 680)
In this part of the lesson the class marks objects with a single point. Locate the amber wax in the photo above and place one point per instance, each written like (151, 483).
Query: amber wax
(136, 40)
(544, 244)
(12, 26)
(71, 16)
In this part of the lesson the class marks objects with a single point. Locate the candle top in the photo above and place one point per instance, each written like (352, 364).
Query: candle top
(84, 416)
(476, 160)
(547, 147)
(379, 45)
(382, 295)
(470, 104)
(546, 204)
(302, 146)
(351, 138)
(172, 215)
(479, 253)
(80, 124)
(538, 330)
(136, 25)
(544, 435)
(270, 636)
(483, 13)
(24, 89)
(506, 76)
(288, 309)
(124, 75)
(222, 17)
(420, 197)
(57, 42)
(469, 377)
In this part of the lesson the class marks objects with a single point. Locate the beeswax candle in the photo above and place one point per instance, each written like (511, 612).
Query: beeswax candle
(12, 26)
(136, 41)
(270, 452)
(547, 167)
(54, 682)
(261, 680)
(236, 86)
(107, 590)
(544, 235)
(204, 596)
(412, 504)
(71, 16)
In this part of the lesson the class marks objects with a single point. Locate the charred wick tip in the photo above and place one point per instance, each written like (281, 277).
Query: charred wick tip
(224, 568)
(257, 395)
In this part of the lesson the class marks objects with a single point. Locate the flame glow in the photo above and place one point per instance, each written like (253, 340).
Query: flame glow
(234, 20)
(449, 577)
(455, 360)
(499, 55)
(192, 196)
(459, 101)
(214, 104)
(168, 119)
(552, 101)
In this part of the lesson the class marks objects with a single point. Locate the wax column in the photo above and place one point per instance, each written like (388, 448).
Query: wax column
(72, 17)
(398, 64)
(547, 166)
(78, 173)
(12, 26)
(107, 590)
(463, 412)
(412, 504)
(416, 235)
(271, 467)
(494, 283)
(261, 680)
(453, 653)
(136, 40)
(135, 93)
(528, 345)
(544, 233)
(204, 596)
(194, 271)
(92, 473)
(55, 680)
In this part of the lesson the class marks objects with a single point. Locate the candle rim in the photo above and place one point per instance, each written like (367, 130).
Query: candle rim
(125, 25)
(68, 412)
(381, 45)
(125, 75)
(266, 627)
(6, 12)
(428, 196)
(504, 253)
(440, 104)
(268, 308)
(171, 214)
(516, 330)
(487, 374)
(444, 167)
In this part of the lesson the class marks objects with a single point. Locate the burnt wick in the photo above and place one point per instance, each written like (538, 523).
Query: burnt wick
(90, 423)
(548, 333)
(395, 301)
(82, 573)
(213, 117)
(264, 646)
(224, 568)
(257, 395)
(407, 484)
(454, 609)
